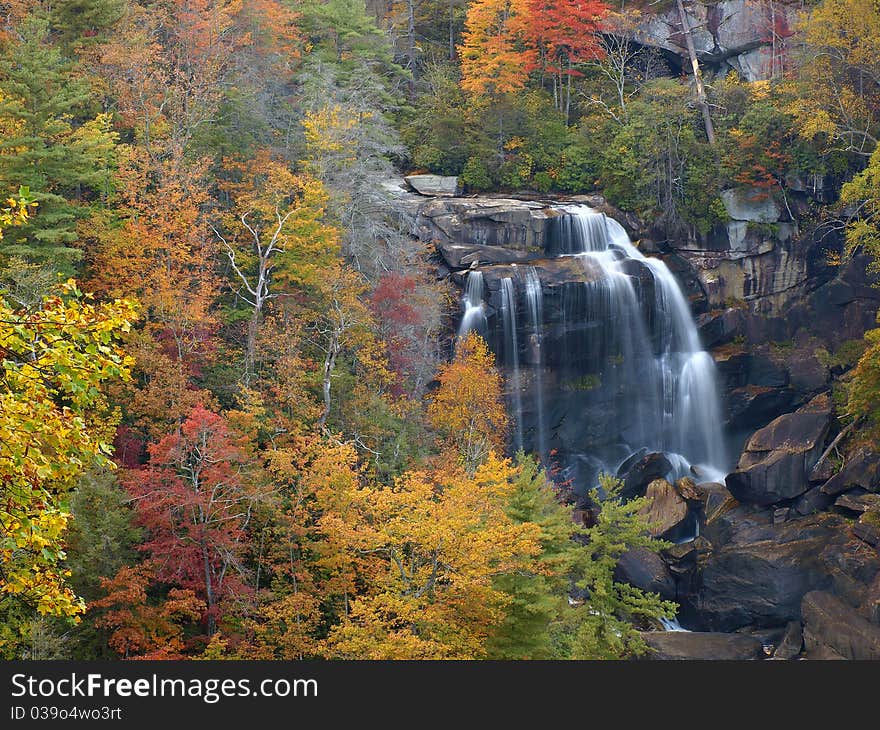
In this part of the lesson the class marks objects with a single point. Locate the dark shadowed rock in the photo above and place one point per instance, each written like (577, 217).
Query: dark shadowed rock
(720, 326)
(867, 529)
(792, 642)
(666, 511)
(638, 474)
(683, 645)
(760, 575)
(777, 458)
(752, 405)
(812, 501)
(861, 470)
(646, 570)
(830, 623)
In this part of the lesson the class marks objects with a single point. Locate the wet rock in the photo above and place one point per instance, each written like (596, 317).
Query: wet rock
(831, 624)
(646, 570)
(666, 512)
(688, 490)
(767, 373)
(780, 515)
(638, 473)
(861, 470)
(777, 458)
(433, 184)
(792, 642)
(714, 497)
(684, 645)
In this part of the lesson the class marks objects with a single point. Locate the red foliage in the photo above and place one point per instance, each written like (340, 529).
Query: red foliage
(195, 502)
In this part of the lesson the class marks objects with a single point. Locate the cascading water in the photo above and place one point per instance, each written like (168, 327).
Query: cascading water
(601, 363)
(474, 316)
(535, 310)
(511, 353)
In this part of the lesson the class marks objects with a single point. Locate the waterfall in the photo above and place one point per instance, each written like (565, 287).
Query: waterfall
(603, 363)
(474, 316)
(535, 310)
(511, 354)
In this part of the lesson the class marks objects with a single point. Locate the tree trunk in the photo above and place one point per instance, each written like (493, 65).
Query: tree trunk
(329, 365)
(698, 78)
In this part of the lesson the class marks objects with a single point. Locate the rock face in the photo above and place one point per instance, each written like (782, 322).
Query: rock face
(520, 225)
(778, 458)
(831, 624)
(684, 645)
(862, 471)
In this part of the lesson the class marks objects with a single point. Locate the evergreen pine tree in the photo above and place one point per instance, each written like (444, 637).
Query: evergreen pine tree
(50, 145)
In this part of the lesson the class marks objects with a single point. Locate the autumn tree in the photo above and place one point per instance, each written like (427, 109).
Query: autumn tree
(439, 540)
(195, 498)
(840, 75)
(143, 625)
(565, 34)
(494, 58)
(468, 407)
(55, 421)
(277, 239)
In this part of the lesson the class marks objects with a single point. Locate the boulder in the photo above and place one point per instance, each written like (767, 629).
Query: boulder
(433, 185)
(644, 569)
(861, 470)
(759, 576)
(714, 497)
(688, 645)
(778, 458)
(464, 256)
(688, 490)
(858, 503)
(867, 529)
(640, 470)
(747, 204)
(792, 642)
(830, 623)
(666, 511)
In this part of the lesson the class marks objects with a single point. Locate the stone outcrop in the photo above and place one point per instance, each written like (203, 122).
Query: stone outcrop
(727, 36)
(778, 458)
(646, 570)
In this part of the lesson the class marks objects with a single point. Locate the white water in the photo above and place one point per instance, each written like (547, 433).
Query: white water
(511, 346)
(535, 310)
(474, 317)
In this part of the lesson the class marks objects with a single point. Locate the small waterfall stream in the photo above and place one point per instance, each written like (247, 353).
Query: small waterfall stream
(600, 364)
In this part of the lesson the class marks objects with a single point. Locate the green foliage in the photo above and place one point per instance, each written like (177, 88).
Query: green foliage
(51, 144)
(538, 597)
(101, 536)
(603, 627)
